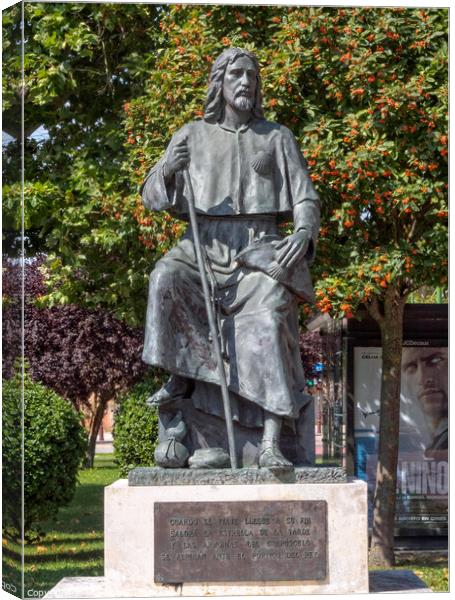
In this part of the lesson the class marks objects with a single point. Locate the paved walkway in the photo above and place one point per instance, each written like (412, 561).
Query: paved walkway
(104, 447)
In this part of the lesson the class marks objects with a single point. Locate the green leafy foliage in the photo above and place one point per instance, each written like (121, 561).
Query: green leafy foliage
(82, 63)
(76, 57)
(12, 455)
(53, 449)
(363, 89)
(136, 425)
(365, 92)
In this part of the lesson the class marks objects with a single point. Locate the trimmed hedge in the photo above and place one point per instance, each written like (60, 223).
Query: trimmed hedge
(54, 445)
(136, 425)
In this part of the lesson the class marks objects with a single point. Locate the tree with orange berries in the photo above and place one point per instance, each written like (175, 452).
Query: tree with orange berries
(377, 144)
(365, 91)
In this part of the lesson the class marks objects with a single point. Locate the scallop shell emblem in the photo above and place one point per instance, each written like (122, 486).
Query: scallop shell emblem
(262, 162)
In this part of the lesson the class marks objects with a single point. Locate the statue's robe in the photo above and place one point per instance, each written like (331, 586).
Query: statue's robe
(245, 183)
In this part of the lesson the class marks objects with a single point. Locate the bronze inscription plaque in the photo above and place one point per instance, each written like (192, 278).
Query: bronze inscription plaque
(240, 541)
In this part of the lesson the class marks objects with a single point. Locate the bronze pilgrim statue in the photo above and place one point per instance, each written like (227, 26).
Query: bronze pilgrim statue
(245, 176)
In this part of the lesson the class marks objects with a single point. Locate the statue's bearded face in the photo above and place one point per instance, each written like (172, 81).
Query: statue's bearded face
(239, 84)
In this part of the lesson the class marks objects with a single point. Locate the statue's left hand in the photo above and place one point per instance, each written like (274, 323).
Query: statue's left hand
(292, 248)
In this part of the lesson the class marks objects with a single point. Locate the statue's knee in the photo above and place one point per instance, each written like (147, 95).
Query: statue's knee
(164, 275)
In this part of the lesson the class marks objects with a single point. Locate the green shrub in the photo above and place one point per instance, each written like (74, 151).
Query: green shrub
(54, 445)
(136, 425)
(12, 455)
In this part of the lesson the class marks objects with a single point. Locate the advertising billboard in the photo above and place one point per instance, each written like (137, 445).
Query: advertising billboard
(422, 476)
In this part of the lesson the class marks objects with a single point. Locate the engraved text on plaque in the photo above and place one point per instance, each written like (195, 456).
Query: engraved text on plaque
(240, 541)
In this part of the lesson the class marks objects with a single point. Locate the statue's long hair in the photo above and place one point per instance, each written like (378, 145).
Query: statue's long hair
(214, 106)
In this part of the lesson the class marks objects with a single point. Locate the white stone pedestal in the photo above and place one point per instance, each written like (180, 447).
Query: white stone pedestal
(129, 536)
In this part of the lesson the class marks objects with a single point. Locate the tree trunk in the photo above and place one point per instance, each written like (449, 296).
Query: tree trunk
(391, 325)
(328, 394)
(325, 431)
(100, 407)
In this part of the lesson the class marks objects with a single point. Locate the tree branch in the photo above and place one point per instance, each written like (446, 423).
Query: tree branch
(412, 230)
(374, 311)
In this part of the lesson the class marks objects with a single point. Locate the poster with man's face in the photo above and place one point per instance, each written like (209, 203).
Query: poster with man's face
(422, 485)
(425, 381)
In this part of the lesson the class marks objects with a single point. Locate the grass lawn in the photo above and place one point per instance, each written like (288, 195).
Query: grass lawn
(73, 544)
(435, 573)
(433, 570)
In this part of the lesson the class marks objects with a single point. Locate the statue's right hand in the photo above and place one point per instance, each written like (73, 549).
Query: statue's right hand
(177, 158)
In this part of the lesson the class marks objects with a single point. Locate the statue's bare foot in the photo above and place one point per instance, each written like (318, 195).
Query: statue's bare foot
(271, 456)
(176, 387)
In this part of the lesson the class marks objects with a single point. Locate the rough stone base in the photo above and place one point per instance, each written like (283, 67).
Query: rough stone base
(129, 536)
(99, 587)
(145, 476)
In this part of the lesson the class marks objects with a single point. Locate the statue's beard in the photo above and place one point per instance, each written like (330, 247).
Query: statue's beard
(243, 103)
